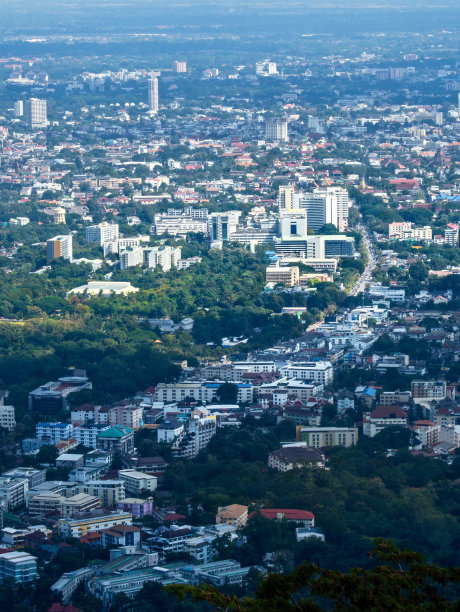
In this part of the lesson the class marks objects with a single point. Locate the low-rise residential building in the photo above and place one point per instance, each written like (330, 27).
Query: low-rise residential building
(290, 457)
(429, 389)
(197, 435)
(44, 503)
(78, 527)
(383, 416)
(70, 460)
(120, 535)
(288, 276)
(13, 491)
(345, 401)
(136, 482)
(136, 506)
(300, 517)
(110, 492)
(451, 435)
(54, 432)
(217, 573)
(427, 432)
(34, 477)
(320, 437)
(117, 438)
(7, 418)
(234, 514)
(391, 398)
(68, 583)
(320, 372)
(87, 434)
(18, 566)
(202, 391)
(16, 537)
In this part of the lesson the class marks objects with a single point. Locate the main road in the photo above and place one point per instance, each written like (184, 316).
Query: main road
(366, 276)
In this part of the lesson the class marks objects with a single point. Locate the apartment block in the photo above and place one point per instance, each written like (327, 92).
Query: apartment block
(76, 528)
(13, 491)
(54, 432)
(317, 371)
(203, 391)
(289, 276)
(117, 438)
(320, 437)
(7, 418)
(136, 482)
(428, 389)
(102, 232)
(18, 566)
(234, 514)
(110, 492)
(59, 246)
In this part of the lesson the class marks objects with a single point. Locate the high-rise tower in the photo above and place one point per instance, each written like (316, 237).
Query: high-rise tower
(153, 95)
(35, 111)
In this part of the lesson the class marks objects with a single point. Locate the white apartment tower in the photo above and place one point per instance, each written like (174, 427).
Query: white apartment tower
(18, 108)
(180, 66)
(35, 111)
(277, 130)
(324, 206)
(59, 246)
(153, 95)
(102, 232)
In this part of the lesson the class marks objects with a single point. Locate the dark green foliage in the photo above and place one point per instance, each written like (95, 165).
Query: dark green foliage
(398, 580)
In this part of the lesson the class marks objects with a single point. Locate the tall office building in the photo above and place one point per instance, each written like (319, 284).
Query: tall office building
(102, 232)
(222, 225)
(277, 130)
(293, 224)
(19, 108)
(285, 194)
(153, 95)
(180, 66)
(35, 111)
(321, 208)
(59, 246)
(324, 206)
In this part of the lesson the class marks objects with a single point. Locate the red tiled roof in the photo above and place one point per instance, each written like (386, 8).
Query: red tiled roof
(289, 514)
(387, 412)
(174, 517)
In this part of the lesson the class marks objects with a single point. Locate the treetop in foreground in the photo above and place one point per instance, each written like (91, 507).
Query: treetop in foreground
(400, 581)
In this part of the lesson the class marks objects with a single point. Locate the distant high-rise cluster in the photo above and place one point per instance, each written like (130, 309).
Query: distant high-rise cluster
(35, 112)
(322, 206)
(153, 95)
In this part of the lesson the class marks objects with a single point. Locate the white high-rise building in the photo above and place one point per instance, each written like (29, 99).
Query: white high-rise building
(180, 66)
(285, 194)
(343, 206)
(277, 130)
(293, 224)
(59, 246)
(102, 232)
(323, 206)
(133, 256)
(19, 108)
(153, 95)
(221, 225)
(35, 111)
